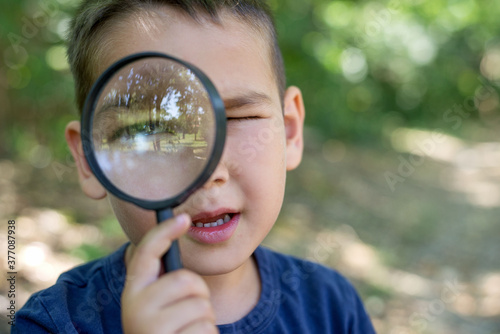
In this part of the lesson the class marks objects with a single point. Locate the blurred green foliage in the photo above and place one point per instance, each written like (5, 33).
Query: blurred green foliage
(365, 67)
(369, 71)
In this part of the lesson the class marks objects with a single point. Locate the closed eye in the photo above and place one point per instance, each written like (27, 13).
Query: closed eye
(239, 119)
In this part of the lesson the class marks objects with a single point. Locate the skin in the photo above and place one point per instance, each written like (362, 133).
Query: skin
(221, 280)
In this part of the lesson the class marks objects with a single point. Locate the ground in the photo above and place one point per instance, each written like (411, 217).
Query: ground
(416, 233)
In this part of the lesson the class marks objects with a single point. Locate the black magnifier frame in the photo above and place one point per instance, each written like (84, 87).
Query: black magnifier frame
(164, 207)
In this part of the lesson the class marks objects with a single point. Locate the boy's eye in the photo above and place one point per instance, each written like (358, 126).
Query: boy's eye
(239, 119)
(130, 131)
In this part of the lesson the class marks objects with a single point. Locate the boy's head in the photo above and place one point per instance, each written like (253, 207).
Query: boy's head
(97, 20)
(264, 130)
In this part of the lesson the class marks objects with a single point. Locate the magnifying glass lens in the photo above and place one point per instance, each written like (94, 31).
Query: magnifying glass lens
(153, 128)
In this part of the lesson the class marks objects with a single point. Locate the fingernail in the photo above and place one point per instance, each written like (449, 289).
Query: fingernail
(181, 219)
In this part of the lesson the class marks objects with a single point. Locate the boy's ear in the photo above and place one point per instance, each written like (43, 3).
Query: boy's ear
(90, 185)
(294, 113)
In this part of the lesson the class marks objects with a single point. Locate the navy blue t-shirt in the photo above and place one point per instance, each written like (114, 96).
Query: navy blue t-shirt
(297, 296)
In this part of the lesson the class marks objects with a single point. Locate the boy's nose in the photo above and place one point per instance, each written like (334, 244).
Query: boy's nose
(218, 177)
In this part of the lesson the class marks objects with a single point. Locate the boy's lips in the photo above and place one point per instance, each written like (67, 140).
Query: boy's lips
(214, 227)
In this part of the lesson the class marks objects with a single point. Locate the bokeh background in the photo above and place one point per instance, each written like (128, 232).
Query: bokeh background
(399, 189)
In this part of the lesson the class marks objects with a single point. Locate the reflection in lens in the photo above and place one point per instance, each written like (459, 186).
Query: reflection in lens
(153, 129)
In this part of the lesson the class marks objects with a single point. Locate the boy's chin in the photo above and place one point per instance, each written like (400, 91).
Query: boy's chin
(210, 272)
(213, 265)
(209, 268)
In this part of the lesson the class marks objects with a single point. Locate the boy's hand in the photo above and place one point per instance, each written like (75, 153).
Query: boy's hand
(177, 302)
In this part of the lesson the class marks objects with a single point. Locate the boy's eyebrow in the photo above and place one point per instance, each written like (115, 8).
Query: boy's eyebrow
(250, 98)
(247, 99)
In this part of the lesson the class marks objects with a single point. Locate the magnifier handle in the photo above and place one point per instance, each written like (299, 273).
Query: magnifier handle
(172, 258)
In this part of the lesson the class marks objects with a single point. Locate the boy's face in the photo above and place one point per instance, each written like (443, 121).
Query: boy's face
(262, 142)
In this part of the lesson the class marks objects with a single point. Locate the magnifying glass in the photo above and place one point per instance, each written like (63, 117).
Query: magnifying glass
(153, 131)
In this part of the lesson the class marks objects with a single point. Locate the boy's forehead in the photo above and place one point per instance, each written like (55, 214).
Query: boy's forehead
(234, 55)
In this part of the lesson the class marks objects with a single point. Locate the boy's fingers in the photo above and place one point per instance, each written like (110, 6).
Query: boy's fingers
(145, 264)
(175, 286)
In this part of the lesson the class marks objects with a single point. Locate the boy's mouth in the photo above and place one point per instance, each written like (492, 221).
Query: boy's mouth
(214, 227)
(213, 221)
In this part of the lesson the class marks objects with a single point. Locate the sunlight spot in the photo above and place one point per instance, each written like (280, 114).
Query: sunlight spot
(489, 307)
(63, 27)
(484, 194)
(433, 144)
(27, 227)
(486, 101)
(464, 11)
(40, 156)
(354, 65)
(56, 58)
(337, 14)
(359, 257)
(490, 284)
(422, 50)
(52, 221)
(4, 302)
(45, 272)
(483, 155)
(465, 305)
(34, 254)
(490, 64)
(410, 284)
(474, 174)
(447, 21)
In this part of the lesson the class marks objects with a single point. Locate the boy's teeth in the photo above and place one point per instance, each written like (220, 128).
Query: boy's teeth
(219, 222)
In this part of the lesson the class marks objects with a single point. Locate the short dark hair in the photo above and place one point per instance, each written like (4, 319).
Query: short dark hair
(93, 17)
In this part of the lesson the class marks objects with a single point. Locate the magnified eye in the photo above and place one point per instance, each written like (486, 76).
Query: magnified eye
(123, 133)
(133, 130)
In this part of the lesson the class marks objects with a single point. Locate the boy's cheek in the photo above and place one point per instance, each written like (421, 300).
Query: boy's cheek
(257, 144)
(135, 221)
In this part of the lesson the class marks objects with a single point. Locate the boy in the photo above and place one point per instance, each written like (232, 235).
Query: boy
(229, 284)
